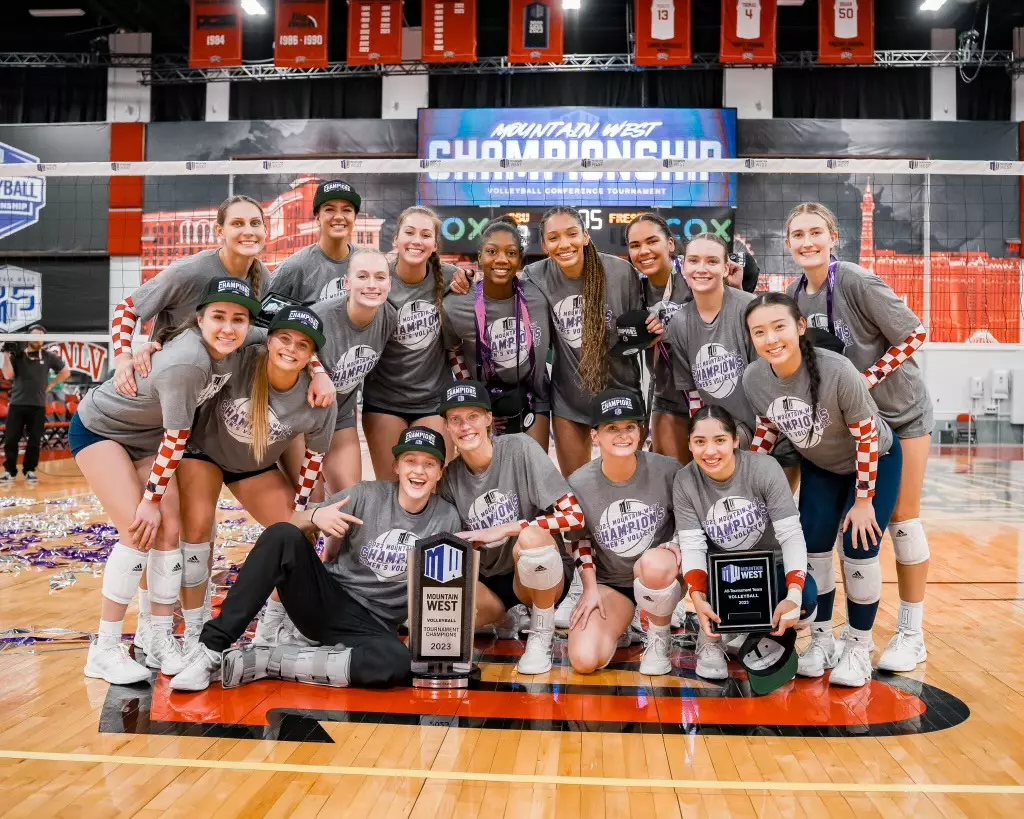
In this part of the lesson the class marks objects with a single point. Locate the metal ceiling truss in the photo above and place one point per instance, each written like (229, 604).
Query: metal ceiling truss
(174, 70)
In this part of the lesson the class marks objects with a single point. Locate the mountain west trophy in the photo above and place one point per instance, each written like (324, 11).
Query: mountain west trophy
(743, 590)
(442, 611)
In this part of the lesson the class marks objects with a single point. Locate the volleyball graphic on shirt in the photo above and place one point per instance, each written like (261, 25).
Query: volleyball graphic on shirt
(793, 418)
(735, 523)
(717, 370)
(335, 287)
(841, 328)
(628, 527)
(236, 415)
(493, 508)
(387, 555)
(569, 320)
(217, 382)
(663, 19)
(418, 324)
(748, 19)
(502, 335)
(353, 366)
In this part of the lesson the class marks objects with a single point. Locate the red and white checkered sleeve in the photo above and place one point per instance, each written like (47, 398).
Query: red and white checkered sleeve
(172, 447)
(460, 372)
(567, 516)
(866, 433)
(695, 401)
(583, 554)
(122, 326)
(765, 436)
(308, 474)
(895, 356)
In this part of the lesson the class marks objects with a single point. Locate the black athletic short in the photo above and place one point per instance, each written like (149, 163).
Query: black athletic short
(409, 417)
(229, 477)
(625, 591)
(502, 586)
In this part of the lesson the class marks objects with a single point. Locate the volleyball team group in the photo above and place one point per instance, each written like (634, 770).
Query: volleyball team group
(753, 400)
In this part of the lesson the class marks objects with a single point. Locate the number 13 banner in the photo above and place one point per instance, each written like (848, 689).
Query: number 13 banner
(216, 37)
(300, 37)
(846, 32)
(663, 32)
(748, 32)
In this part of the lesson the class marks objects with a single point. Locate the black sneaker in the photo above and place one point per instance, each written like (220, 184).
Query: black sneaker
(31, 477)
(7, 478)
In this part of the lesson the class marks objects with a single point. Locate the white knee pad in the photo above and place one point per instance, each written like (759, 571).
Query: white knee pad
(909, 542)
(122, 574)
(863, 579)
(196, 557)
(659, 602)
(165, 576)
(539, 569)
(822, 571)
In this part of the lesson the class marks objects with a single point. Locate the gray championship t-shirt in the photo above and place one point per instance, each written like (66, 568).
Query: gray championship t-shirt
(869, 318)
(565, 302)
(520, 484)
(624, 520)
(666, 397)
(170, 298)
(843, 398)
(372, 563)
(459, 331)
(31, 375)
(711, 357)
(737, 514)
(413, 368)
(224, 428)
(310, 276)
(183, 378)
(352, 352)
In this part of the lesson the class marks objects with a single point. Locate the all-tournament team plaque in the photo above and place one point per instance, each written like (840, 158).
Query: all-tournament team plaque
(442, 611)
(742, 590)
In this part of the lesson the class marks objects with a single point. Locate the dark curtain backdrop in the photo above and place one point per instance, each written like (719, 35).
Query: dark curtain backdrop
(987, 97)
(853, 93)
(53, 95)
(335, 98)
(178, 103)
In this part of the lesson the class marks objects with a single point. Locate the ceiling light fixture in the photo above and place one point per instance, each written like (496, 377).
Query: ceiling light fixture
(571, 5)
(253, 7)
(932, 5)
(57, 12)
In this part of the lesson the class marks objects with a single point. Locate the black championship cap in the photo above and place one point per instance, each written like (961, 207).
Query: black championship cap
(616, 405)
(464, 394)
(302, 320)
(336, 189)
(770, 661)
(238, 291)
(421, 439)
(820, 337)
(634, 336)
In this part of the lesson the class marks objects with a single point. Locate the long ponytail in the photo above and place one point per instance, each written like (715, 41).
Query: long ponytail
(259, 408)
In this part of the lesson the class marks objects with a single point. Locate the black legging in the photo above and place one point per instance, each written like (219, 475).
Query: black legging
(30, 420)
(320, 608)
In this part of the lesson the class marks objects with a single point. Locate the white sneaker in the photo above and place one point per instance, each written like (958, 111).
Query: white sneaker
(115, 665)
(289, 635)
(564, 610)
(822, 653)
(712, 663)
(905, 650)
(165, 653)
(843, 637)
(656, 659)
(854, 667)
(508, 627)
(202, 667)
(143, 635)
(536, 657)
(269, 629)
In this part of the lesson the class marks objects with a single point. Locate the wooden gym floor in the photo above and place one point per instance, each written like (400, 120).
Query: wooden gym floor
(946, 741)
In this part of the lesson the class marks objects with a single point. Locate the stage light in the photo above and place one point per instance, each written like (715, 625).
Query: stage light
(253, 7)
(932, 5)
(571, 5)
(57, 12)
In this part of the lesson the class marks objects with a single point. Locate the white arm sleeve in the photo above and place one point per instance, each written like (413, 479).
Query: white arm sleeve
(694, 548)
(791, 539)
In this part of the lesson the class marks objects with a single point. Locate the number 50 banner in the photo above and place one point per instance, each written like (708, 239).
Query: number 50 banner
(216, 36)
(846, 32)
(300, 34)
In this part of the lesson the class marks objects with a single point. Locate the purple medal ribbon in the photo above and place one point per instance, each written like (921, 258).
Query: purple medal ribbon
(484, 356)
(830, 286)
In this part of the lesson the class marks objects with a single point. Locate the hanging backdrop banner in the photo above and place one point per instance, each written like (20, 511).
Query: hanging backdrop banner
(300, 34)
(536, 31)
(748, 32)
(846, 32)
(374, 32)
(449, 31)
(215, 39)
(663, 32)
(592, 135)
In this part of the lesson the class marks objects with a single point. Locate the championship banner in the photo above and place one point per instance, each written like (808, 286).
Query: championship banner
(846, 32)
(300, 34)
(663, 32)
(536, 32)
(449, 31)
(748, 32)
(215, 40)
(374, 32)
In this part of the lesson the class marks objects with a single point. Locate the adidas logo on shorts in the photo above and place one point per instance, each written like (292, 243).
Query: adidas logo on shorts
(192, 559)
(177, 567)
(900, 533)
(138, 567)
(857, 575)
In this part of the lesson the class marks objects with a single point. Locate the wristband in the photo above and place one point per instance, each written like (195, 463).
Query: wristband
(794, 595)
(313, 515)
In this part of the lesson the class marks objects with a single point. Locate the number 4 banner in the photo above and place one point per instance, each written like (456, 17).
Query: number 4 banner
(846, 32)
(216, 37)
(300, 34)
(748, 32)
